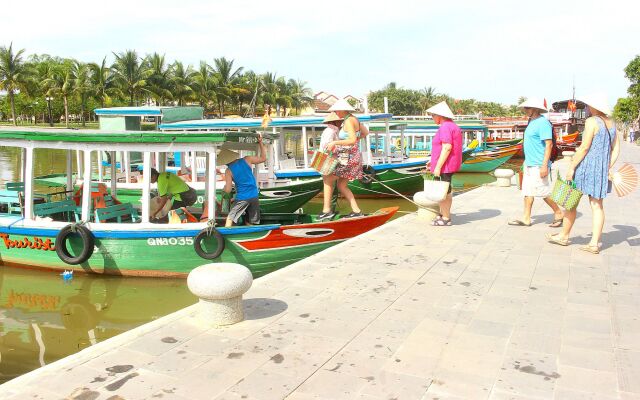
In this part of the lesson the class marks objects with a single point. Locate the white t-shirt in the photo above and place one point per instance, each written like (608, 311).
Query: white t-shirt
(329, 134)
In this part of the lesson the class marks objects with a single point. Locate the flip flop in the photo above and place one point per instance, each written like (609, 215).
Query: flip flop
(551, 239)
(557, 223)
(590, 249)
(517, 222)
(441, 222)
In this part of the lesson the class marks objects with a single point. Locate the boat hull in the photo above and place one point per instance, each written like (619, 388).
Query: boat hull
(488, 161)
(170, 253)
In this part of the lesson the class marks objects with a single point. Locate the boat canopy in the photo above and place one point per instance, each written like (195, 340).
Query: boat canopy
(239, 123)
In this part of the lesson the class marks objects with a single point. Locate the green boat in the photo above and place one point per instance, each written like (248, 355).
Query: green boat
(283, 197)
(119, 239)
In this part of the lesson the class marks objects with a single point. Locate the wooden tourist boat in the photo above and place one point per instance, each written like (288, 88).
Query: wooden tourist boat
(119, 239)
(488, 160)
(285, 197)
(394, 171)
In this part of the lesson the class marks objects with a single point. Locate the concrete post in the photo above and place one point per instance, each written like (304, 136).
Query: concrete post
(503, 177)
(220, 287)
(430, 209)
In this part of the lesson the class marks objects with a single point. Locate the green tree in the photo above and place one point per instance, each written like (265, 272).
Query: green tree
(401, 101)
(182, 83)
(159, 80)
(226, 77)
(82, 85)
(428, 98)
(14, 75)
(626, 110)
(60, 84)
(130, 74)
(203, 85)
(632, 72)
(301, 94)
(102, 81)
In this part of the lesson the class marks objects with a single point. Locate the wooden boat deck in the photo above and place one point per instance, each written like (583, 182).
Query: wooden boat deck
(478, 310)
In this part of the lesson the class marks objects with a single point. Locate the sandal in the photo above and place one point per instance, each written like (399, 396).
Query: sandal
(552, 239)
(440, 221)
(517, 222)
(557, 223)
(590, 249)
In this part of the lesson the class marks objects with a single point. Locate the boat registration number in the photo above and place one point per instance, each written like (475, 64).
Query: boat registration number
(179, 241)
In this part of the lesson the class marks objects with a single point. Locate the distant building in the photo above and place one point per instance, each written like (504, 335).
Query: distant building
(322, 101)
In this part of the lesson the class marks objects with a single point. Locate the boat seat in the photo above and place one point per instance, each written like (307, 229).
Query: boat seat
(10, 202)
(57, 207)
(120, 212)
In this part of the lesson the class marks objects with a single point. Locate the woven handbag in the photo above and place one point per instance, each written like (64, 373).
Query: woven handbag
(565, 194)
(324, 163)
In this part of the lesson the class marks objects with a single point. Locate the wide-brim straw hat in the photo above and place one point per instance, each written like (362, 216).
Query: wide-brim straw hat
(225, 156)
(597, 101)
(534, 103)
(332, 117)
(341, 105)
(441, 109)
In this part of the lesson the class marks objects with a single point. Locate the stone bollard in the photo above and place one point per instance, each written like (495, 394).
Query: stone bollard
(431, 210)
(503, 177)
(220, 287)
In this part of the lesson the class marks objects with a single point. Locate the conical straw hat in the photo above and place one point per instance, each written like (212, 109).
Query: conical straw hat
(341, 105)
(226, 156)
(534, 102)
(441, 109)
(331, 118)
(597, 101)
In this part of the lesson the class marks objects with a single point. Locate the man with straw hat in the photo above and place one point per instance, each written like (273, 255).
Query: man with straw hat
(536, 180)
(446, 155)
(239, 172)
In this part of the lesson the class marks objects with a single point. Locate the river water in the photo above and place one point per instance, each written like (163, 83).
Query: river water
(44, 318)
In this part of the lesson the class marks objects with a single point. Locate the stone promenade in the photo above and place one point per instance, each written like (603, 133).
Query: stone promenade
(478, 310)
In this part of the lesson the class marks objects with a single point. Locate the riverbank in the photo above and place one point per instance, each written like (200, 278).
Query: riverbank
(409, 311)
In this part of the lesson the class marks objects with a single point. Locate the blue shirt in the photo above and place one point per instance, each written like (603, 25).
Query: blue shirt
(536, 133)
(246, 186)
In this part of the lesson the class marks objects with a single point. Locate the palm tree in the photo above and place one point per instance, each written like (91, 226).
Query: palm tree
(60, 83)
(130, 74)
(428, 97)
(301, 95)
(204, 84)
(82, 85)
(269, 89)
(181, 83)
(102, 80)
(159, 80)
(225, 80)
(14, 75)
(283, 99)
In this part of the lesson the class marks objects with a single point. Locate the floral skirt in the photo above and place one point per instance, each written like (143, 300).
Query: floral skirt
(350, 165)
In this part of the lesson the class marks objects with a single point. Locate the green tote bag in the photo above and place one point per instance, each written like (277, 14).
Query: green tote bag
(565, 194)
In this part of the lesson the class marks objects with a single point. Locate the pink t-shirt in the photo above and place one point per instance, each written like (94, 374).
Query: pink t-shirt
(450, 133)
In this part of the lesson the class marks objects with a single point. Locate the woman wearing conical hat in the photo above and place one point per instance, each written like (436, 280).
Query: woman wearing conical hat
(590, 170)
(446, 155)
(350, 165)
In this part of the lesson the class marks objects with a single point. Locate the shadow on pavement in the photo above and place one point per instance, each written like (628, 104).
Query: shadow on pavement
(481, 214)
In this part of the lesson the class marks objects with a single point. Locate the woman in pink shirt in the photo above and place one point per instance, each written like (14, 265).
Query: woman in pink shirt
(446, 155)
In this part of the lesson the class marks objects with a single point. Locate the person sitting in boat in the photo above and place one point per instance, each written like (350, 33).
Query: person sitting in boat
(239, 172)
(446, 155)
(172, 187)
(349, 157)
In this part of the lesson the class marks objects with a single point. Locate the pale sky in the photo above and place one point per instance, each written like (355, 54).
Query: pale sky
(487, 50)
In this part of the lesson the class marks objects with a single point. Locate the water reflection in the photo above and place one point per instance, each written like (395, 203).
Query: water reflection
(44, 318)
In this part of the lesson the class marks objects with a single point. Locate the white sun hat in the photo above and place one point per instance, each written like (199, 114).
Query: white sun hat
(341, 105)
(225, 156)
(598, 101)
(441, 109)
(534, 102)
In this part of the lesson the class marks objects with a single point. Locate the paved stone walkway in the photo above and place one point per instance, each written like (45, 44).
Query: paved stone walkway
(479, 310)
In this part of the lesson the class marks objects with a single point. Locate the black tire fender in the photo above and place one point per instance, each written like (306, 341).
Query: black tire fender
(207, 232)
(88, 243)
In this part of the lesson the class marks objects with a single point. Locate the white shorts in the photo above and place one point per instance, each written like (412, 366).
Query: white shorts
(533, 185)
